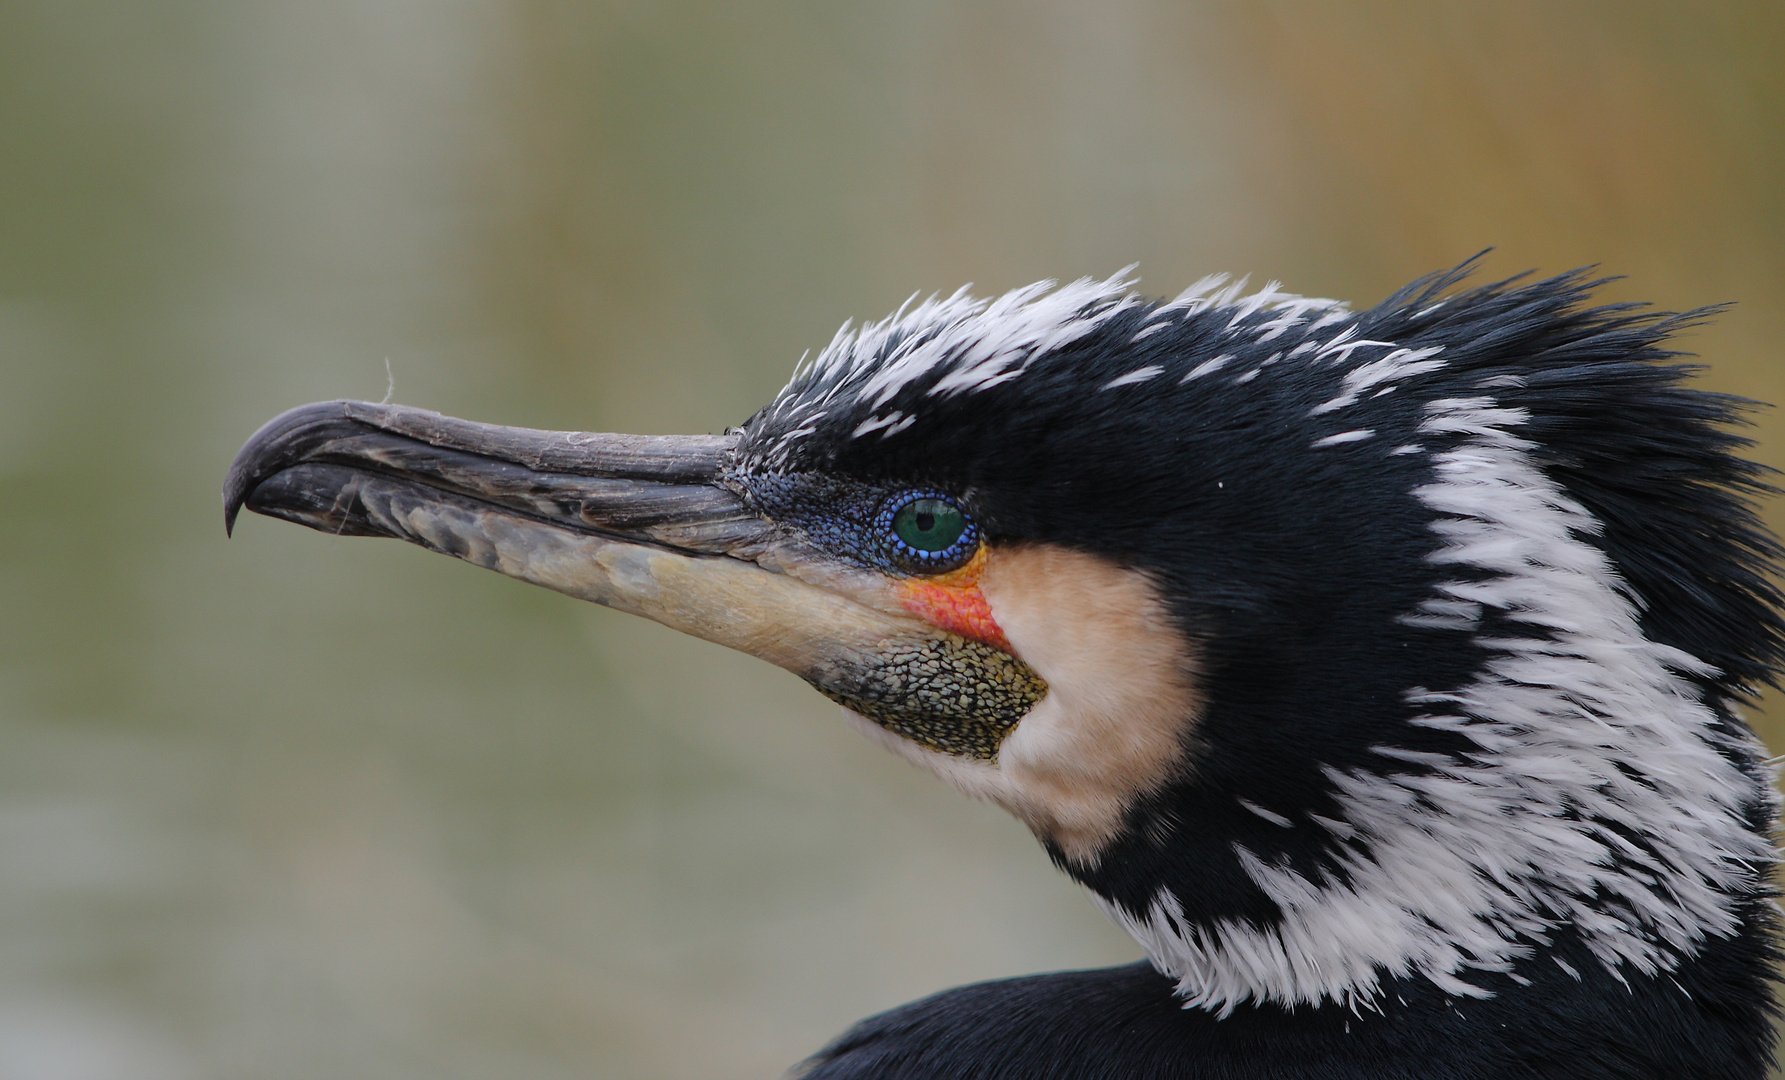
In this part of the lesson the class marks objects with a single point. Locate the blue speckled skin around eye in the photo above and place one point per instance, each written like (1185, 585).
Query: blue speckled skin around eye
(855, 521)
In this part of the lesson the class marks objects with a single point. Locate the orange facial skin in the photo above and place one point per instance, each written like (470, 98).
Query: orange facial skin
(953, 601)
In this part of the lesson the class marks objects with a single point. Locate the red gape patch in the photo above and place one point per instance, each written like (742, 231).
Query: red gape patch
(953, 602)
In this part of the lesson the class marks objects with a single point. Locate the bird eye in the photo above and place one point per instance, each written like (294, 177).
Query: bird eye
(929, 524)
(929, 532)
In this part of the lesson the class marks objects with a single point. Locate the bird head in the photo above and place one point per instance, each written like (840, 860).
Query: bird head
(1330, 650)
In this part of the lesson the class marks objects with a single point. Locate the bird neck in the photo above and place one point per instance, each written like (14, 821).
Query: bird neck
(1366, 823)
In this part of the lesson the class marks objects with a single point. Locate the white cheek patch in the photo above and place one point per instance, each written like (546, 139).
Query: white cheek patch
(1118, 719)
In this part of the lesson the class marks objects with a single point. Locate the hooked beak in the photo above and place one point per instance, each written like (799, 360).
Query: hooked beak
(642, 524)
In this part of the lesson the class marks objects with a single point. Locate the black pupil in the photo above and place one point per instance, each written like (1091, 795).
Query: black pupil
(926, 522)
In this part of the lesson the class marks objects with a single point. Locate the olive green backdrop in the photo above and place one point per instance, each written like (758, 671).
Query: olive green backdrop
(292, 807)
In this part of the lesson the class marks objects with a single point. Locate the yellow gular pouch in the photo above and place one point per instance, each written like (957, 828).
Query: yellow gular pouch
(947, 694)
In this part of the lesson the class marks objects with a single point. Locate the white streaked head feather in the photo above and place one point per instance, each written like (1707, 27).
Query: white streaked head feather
(973, 345)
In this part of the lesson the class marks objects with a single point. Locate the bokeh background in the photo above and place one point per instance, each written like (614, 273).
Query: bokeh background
(291, 807)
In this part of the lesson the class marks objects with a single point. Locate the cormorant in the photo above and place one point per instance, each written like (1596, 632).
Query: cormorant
(1378, 671)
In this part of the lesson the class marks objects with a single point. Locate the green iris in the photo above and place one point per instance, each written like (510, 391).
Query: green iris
(929, 524)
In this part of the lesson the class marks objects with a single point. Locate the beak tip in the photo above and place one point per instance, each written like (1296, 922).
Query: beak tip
(278, 443)
(245, 474)
(235, 493)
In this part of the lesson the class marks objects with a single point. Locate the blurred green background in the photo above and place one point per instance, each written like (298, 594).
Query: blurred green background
(290, 807)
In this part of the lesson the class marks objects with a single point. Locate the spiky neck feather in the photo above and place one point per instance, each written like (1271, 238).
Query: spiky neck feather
(1475, 583)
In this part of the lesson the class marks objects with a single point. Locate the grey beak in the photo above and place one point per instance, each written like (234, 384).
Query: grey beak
(330, 466)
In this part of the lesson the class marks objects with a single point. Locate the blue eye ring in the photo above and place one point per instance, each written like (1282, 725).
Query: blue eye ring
(909, 548)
